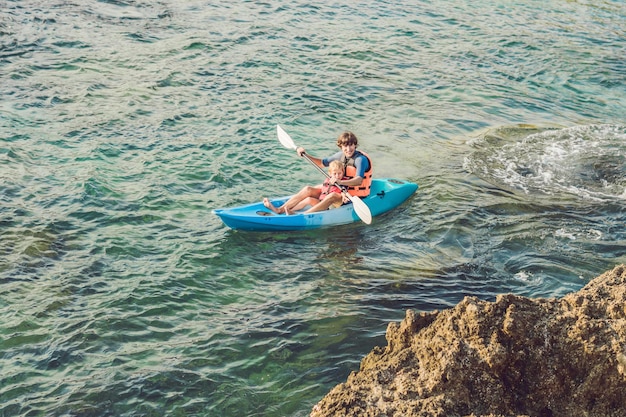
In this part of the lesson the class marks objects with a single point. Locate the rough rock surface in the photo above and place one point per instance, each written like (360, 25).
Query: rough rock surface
(512, 357)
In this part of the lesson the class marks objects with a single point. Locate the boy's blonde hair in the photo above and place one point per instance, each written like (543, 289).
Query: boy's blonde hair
(335, 166)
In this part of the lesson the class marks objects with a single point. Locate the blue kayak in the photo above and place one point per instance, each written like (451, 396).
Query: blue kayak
(385, 194)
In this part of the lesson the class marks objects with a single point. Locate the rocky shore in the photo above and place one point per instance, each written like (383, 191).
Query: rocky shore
(513, 357)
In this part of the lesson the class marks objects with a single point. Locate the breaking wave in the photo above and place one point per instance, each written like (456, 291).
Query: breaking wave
(587, 162)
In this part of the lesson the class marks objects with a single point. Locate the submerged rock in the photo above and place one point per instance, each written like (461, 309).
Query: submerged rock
(513, 357)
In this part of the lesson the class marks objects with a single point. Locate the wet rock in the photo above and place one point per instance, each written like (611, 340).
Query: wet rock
(512, 357)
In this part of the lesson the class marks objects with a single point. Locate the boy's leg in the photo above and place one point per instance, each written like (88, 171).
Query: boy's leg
(309, 201)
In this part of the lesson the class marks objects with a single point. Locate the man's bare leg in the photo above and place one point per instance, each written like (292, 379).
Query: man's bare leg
(289, 205)
(328, 201)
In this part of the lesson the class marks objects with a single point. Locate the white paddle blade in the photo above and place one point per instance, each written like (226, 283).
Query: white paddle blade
(284, 138)
(361, 209)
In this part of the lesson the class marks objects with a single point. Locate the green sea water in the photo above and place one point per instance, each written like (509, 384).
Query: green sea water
(123, 124)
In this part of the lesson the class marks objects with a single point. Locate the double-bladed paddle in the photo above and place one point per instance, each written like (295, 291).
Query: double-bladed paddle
(360, 207)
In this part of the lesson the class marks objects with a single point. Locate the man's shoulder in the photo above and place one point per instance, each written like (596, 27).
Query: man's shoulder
(363, 157)
(335, 156)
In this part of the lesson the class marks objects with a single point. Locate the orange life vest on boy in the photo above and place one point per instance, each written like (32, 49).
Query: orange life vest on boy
(362, 190)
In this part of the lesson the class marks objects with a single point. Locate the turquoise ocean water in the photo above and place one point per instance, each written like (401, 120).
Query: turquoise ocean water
(124, 123)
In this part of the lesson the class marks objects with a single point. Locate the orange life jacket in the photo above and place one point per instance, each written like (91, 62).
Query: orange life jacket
(362, 190)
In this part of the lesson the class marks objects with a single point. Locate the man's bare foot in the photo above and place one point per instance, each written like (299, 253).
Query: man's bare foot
(267, 203)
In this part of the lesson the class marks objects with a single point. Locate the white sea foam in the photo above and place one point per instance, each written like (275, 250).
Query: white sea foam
(584, 161)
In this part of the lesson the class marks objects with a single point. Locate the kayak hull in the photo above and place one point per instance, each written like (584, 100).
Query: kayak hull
(385, 194)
